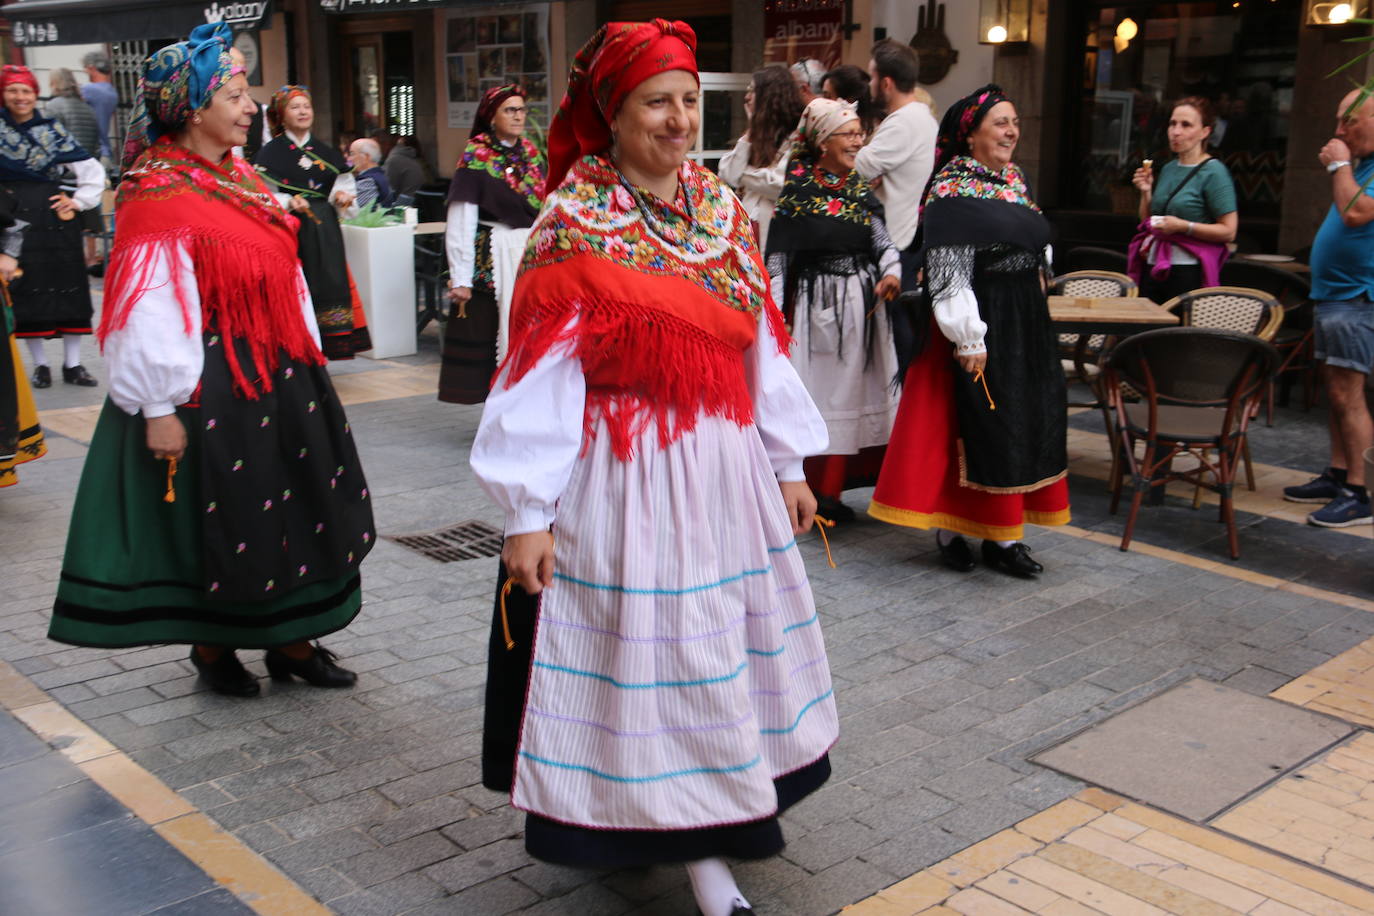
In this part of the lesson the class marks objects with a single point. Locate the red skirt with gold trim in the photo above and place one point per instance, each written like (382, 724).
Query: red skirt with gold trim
(919, 485)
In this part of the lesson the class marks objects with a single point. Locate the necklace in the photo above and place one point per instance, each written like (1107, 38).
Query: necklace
(834, 185)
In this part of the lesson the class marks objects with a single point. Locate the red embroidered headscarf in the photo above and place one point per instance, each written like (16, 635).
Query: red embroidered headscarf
(13, 73)
(619, 57)
(276, 108)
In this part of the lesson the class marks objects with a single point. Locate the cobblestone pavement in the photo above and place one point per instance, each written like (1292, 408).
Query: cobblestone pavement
(370, 798)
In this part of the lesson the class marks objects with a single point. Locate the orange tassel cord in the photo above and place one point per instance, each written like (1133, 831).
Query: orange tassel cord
(171, 494)
(823, 523)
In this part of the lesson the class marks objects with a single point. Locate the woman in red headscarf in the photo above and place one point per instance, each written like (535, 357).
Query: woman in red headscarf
(493, 199)
(676, 696)
(53, 297)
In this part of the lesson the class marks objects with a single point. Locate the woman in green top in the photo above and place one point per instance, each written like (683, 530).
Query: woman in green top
(1191, 206)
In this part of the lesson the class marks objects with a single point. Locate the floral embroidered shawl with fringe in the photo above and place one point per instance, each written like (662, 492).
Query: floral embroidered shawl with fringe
(666, 297)
(242, 246)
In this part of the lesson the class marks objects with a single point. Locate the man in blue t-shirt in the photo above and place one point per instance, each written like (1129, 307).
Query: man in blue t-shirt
(1343, 290)
(101, 95)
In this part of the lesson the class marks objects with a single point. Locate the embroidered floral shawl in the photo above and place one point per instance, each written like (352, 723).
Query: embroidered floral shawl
(964, 176)
(667, 298)
(243, 251)
(30, 151)
(505, 181)
(821, 211)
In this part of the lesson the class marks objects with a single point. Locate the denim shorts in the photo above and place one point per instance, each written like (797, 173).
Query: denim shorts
(1344, 334)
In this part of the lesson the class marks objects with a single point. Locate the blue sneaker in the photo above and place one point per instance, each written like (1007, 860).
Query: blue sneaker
(1342, 512)
(1321, 489)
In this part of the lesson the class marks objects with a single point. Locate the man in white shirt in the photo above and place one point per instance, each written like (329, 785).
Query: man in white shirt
(900, 156)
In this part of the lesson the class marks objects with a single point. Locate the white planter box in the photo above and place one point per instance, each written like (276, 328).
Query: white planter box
(383, 265)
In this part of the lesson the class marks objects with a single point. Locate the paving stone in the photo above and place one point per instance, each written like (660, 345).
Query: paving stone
(422, 817)
(274, 803)
(462, 869)
(354, 779)
(831, 844)
(495, 897)
(984, 817)
(835, 887)
(589, 898)
(974, 781)
(910, 851)
(206, 768)
(262, 837)
(554, 880)
(139, 677)
(325, 884)
(362, 808)
(306, 855)
(410, 855)
(286, 773)
(438, 781)
(1257, 680)
(478, 830)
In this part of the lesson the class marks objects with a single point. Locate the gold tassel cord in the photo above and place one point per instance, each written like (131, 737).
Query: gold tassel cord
(823, 523)
(978, 376)
(171, 495)
(505, 621)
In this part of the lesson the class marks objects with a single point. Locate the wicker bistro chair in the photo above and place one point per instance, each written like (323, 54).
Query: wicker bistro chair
(1231, 308)
(1199, 388)
(1085, 350)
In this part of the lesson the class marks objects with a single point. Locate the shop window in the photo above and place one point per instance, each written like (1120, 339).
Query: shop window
(1137, 58)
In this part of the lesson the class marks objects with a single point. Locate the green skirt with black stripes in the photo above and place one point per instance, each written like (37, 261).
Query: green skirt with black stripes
(216, 566)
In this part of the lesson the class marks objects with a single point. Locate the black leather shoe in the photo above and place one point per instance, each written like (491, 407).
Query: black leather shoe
(957, 554)
(1014, 560)
(833, 509)
(96, 270)
(318, 670)
(226, 674)
(77, 375)
(42, 377)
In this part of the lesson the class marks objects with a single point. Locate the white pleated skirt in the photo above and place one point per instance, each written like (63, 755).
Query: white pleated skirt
(678, 663)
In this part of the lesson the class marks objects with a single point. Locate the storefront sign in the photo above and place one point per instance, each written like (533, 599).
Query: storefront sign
(491, 47)
(63, 22)
(801, 29)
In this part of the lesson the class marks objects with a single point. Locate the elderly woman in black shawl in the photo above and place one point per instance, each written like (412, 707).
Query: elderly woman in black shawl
(831, 263)
(493, 199)
(979, 443)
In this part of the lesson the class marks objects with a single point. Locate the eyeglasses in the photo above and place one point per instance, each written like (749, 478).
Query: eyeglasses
(847, 135)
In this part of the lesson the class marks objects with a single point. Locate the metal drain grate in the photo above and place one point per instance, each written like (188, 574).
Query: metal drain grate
(470, 540)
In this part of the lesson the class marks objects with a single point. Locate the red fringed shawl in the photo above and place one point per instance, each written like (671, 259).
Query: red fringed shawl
(666, 296)
(242, 246)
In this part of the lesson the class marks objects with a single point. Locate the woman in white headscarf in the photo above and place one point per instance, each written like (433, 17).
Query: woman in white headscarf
(831, 263)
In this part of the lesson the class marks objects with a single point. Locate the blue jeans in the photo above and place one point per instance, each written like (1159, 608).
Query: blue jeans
(1344, 334)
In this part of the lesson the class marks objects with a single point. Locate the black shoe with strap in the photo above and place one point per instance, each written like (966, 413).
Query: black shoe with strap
(1014, 559)
(956, 554)
(77, 375)
(226, 674)
(318, 670)
(42, 377)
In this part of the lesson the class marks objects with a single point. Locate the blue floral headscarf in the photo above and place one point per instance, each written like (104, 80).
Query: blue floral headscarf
(176, 82)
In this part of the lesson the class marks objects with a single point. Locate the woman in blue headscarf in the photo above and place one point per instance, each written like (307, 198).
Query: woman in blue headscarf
(222, 503)
(53, 297)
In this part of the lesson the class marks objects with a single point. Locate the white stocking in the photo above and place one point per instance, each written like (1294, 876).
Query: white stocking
(714, 887)
(36, 351)
(71, 351)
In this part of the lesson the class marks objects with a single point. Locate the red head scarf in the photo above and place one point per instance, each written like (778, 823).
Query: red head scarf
(276, 109)
(619, 57)
(491, 103)
(12, 73)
